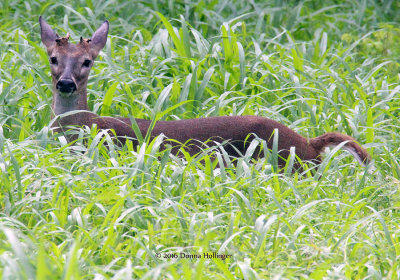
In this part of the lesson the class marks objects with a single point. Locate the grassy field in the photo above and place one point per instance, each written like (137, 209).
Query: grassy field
(74, 211)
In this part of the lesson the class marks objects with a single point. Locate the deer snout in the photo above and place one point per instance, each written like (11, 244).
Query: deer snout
(66, 85)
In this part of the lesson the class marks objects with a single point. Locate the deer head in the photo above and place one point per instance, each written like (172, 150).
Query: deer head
(70, 65)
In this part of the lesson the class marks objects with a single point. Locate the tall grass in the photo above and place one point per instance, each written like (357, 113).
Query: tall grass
(74, 210)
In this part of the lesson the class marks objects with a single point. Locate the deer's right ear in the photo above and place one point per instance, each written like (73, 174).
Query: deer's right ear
(48, 35)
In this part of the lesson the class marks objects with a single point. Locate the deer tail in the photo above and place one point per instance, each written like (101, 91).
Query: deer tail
(332, 139)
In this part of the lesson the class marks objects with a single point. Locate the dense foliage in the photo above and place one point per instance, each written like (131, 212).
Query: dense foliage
(70, 210)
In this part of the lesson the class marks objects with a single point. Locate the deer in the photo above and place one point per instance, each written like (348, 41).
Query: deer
(70, 65)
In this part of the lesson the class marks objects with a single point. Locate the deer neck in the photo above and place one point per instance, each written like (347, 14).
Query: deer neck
(62, 104)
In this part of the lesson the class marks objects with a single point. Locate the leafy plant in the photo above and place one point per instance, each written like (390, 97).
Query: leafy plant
(89, 210)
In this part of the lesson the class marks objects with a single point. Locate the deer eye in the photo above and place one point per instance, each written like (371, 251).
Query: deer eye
(86, 63)
(53, 60)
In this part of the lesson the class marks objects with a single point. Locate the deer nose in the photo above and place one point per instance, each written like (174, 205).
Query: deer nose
(66, 85)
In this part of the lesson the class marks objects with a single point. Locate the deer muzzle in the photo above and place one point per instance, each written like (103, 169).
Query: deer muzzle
(66, 86)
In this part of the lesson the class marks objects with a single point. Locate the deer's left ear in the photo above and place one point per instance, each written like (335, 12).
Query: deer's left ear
(99, 38)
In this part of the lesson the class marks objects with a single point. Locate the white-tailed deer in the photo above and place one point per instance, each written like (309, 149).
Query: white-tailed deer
(70, 67)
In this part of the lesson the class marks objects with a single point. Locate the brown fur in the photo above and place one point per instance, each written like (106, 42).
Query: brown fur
(232, 129)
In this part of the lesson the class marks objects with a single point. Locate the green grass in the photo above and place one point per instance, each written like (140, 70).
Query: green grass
(76, 211)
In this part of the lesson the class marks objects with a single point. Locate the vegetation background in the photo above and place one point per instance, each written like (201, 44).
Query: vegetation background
(81, 212)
